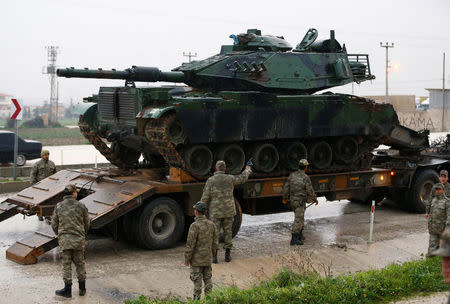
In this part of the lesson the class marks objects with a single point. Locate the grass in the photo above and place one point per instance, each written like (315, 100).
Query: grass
(391, 283)
(53, 136)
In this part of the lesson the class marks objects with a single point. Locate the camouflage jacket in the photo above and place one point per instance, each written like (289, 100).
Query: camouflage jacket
(298, 189)
(202, 242)
(70, 222)
(439, 214)
(42, 169)
(218, 193)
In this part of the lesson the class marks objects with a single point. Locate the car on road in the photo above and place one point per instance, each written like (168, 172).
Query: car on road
(27, 149)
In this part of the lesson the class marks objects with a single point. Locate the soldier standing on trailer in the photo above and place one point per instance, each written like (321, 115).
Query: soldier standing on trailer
(443, 178)
(298, 190)
(201, 244)
(218, 195)
(42, 169)
(438, 216)
(70, 222)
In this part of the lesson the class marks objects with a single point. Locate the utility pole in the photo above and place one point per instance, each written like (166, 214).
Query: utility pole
(443, 93)
(387, 46)
(50, 69)
(189, 55)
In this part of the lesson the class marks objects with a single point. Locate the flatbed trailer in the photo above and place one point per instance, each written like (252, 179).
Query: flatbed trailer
(153, 207)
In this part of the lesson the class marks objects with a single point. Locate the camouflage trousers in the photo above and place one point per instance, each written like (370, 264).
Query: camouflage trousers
(226, 224)
(77, 257)
(299, 219)
(433, 244)
(199, 273)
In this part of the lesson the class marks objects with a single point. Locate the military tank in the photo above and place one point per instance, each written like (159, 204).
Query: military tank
(258, 98)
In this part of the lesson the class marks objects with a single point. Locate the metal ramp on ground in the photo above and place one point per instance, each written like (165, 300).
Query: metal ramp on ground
(106, 198)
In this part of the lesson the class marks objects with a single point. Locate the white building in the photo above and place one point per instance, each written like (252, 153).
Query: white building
(5, 105)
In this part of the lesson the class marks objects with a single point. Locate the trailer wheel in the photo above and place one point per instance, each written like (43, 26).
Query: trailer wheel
(237, 221)
(420, 190)
(161, 224)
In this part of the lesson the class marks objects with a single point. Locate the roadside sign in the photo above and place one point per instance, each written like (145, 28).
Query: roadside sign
(16, 109)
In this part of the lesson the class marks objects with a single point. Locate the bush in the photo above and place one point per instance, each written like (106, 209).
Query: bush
(36, 122)
(373, 286)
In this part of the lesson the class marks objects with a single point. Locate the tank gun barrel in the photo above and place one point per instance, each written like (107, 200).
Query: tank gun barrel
(135, 73)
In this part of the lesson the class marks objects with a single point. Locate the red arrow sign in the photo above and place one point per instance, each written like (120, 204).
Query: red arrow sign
(18, 108)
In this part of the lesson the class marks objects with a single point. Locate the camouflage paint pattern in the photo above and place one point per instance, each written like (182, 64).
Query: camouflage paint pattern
(42, 169)
(77, 257)
(225, 223)
(197, 274)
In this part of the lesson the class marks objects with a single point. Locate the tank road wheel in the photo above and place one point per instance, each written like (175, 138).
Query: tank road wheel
(175, 131)
(346, 150)
(293, 153)
(266, 157)
(198, 159)
(234, 157)
(127, 155)
(321, 154)
(161, 224)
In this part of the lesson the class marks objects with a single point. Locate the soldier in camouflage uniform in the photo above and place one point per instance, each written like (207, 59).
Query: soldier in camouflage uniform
(43, 168)
(438, 215)
(201, 244)
(298, 190)
(70, 222)
(444, 252)
(218, 195)
(443, 178)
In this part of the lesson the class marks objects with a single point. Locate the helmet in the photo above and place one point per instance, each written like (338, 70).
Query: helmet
(201, 207)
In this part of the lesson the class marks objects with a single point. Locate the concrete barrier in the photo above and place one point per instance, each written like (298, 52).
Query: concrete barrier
(26, 170)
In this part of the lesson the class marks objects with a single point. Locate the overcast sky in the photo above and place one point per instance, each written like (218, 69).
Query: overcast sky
(119, 34)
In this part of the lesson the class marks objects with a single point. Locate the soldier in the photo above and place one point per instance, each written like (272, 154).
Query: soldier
(218, 195)
(444, 252)
(438, 215)
(298, 190)
(70, 222)
(443, 178)
(202, 242)
(43, 168)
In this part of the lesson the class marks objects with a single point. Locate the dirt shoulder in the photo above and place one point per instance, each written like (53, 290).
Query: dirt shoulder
(117, 271)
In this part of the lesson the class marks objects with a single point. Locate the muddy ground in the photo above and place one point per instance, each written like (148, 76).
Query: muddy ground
(336, 242)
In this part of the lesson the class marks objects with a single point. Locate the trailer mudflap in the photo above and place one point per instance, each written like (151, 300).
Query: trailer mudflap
(27, 250)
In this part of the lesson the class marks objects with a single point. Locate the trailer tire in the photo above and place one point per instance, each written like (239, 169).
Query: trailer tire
(237, 221)
(420, 190)
(161, 224)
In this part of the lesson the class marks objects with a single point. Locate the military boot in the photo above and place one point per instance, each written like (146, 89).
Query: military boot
(215, 258)
(81, 288)
(228, 255)
(66, 291)
(295, 240)
(301, 237)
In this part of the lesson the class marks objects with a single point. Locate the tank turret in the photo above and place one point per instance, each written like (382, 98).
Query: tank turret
(256, 99)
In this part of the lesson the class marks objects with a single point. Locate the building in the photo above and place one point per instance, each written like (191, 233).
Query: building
(5, 105)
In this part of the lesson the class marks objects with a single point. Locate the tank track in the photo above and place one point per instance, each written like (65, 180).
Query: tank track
(159, 140)
(98, 143)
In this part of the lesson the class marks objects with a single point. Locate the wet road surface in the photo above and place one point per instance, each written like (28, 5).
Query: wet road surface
(336, 242)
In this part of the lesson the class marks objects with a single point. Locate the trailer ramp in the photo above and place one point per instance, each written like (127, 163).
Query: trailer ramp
(107, 198)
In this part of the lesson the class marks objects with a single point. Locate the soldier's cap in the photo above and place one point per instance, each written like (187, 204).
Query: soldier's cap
(220, 164)
(69, 189)
(201, 207)
(44, 152)
(444, 172)
(444, 245)
(303, 162)
(438, 186)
